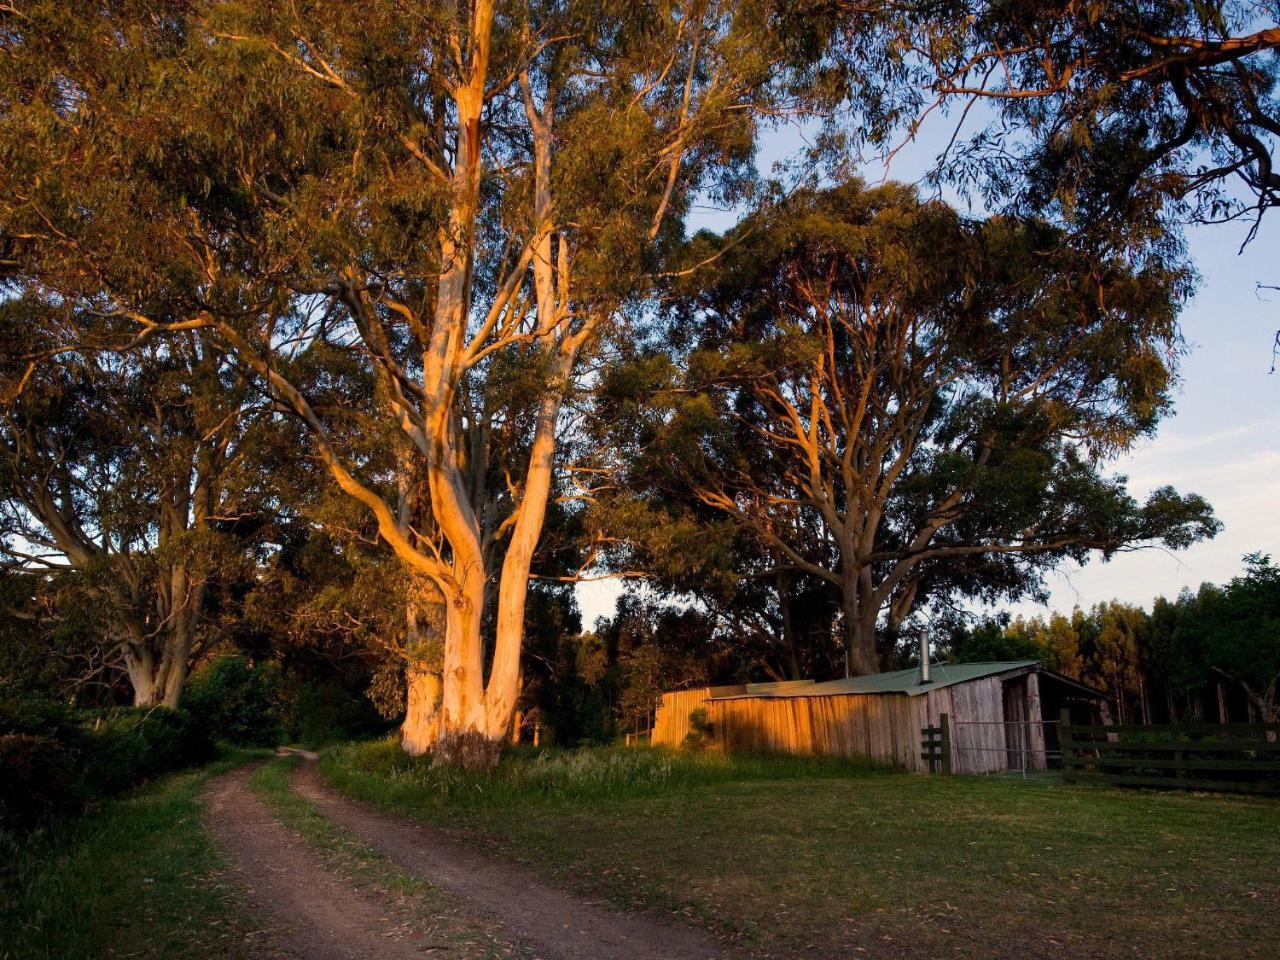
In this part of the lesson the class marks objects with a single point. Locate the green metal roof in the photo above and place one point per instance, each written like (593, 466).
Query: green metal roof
(897, 681)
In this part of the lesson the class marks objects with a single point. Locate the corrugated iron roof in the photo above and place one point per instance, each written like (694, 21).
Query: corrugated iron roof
(896, 681)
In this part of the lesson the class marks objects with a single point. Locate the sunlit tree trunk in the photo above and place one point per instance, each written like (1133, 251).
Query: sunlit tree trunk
(421, 727)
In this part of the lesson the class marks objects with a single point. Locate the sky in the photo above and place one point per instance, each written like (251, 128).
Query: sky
(1222, 441)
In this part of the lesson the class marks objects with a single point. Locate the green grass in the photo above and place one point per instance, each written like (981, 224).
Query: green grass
(557, 777)
(814, 858)
(415, 904)
(137, 877)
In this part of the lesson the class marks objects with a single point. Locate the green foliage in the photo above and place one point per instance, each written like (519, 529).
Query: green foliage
(1237, 631)
(595, 687)
(128, 746)
(54, 761)
(236, 701)
(990, 639)
(1162, 663)
(316, 712)
(872, 394)
(258, 704)
(1119, 118)
(700, 731)
(39, 782)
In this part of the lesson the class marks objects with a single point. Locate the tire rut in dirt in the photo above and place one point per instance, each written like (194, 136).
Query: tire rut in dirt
(562, 926)
(308, 913)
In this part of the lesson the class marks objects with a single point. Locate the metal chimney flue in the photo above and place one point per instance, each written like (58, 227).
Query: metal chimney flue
(924, 656)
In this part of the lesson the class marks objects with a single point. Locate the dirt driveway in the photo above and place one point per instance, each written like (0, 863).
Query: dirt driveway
(310, 913)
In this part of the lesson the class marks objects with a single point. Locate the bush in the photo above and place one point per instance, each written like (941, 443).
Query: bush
(236, 701)
(700, 732)
(41, 746)
(134, 744)
(35, 715)
(315, 714)
(37, 781)
(54, 761)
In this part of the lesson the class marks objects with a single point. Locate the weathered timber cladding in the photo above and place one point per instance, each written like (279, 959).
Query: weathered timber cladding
(671, 723)
(881, 726)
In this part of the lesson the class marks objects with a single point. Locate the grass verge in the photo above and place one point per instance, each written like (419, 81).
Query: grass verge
(137, 877)
(414, 904)
(813, 858)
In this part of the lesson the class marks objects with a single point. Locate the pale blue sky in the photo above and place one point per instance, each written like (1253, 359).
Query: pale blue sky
(1222, 442)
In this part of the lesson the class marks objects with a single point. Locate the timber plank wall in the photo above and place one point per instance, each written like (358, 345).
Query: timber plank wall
(671, 719)
(671, 722)
(881, 726)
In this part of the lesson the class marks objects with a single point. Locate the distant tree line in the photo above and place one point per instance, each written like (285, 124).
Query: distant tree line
(1212, 654)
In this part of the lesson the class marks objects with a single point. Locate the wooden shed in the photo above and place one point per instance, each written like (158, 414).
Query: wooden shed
(671, 720)
(1000, 715)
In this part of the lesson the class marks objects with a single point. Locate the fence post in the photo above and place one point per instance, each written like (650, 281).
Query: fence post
(1065, 744)
(944, 722)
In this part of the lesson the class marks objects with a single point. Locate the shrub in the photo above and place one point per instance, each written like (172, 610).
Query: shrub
(38, 716)
(315, 714)
(700, 733)
(55, 760)
(130, 745)
(236, 701)
(37, 781)
(41, 745)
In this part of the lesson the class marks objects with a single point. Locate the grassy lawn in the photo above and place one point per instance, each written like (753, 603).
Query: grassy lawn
(136, 878)
(807, 857)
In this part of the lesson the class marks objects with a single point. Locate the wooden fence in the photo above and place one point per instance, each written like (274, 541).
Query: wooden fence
(1239, 757)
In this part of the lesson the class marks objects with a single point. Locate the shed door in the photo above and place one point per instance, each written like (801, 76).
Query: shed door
(1015, 722)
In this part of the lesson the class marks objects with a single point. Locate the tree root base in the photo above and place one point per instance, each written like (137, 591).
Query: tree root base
(467, 750)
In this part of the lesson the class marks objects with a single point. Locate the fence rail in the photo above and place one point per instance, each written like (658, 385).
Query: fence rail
(1243, 758)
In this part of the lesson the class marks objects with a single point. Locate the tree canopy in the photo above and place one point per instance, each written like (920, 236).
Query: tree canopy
(905, 404)
(1115, 114)
(365, 334)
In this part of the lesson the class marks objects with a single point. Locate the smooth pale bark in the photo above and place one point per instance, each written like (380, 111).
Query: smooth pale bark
(157, 668)
(480, 564)
(469, 705)
(421, 727)
(154, 649)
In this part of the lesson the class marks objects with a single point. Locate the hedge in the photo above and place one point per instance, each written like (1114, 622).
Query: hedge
(55, 761)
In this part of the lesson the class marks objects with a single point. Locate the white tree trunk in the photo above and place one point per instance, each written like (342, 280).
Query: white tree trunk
(421, 727)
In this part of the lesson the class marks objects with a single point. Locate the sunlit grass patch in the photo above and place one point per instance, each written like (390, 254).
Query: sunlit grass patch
(584, 776)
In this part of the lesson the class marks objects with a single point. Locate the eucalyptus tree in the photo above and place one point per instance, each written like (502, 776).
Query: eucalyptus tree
(462, 198)
(1112, 113)
(121, 493)
(906, 404)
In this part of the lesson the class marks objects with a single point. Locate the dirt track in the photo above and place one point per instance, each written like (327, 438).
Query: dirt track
(311, 914)
(305, 911)
(563, 927)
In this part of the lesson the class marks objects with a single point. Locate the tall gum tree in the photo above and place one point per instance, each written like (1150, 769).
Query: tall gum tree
(121, 477)
(890, 398)
(465, 197)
